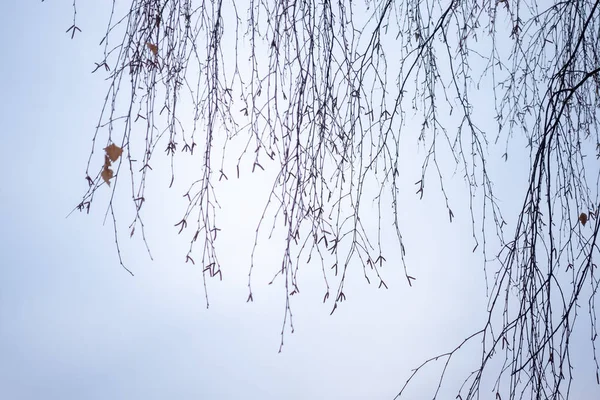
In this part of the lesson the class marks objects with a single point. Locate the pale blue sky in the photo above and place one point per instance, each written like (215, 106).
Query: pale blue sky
(74, 325)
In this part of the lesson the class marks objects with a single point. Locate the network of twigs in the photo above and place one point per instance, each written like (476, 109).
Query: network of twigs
(321, 91)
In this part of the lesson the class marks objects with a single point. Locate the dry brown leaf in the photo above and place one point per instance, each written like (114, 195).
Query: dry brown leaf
(106, 174)
(583, 218)
(113, 152)
(153, 48)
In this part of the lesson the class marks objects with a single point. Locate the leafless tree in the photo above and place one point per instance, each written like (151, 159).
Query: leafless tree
(321, 91)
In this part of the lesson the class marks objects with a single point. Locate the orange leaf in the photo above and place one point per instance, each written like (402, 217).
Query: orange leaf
(583, 218)
(153, 48)
(113, 152)
(106, 174)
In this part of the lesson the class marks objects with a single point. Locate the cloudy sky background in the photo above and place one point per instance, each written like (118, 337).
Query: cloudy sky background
(74, 325)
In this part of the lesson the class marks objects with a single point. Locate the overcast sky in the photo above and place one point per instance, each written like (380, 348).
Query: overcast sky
(74, 325)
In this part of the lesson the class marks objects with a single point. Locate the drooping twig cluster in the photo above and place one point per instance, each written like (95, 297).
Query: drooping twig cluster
(321, 92)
